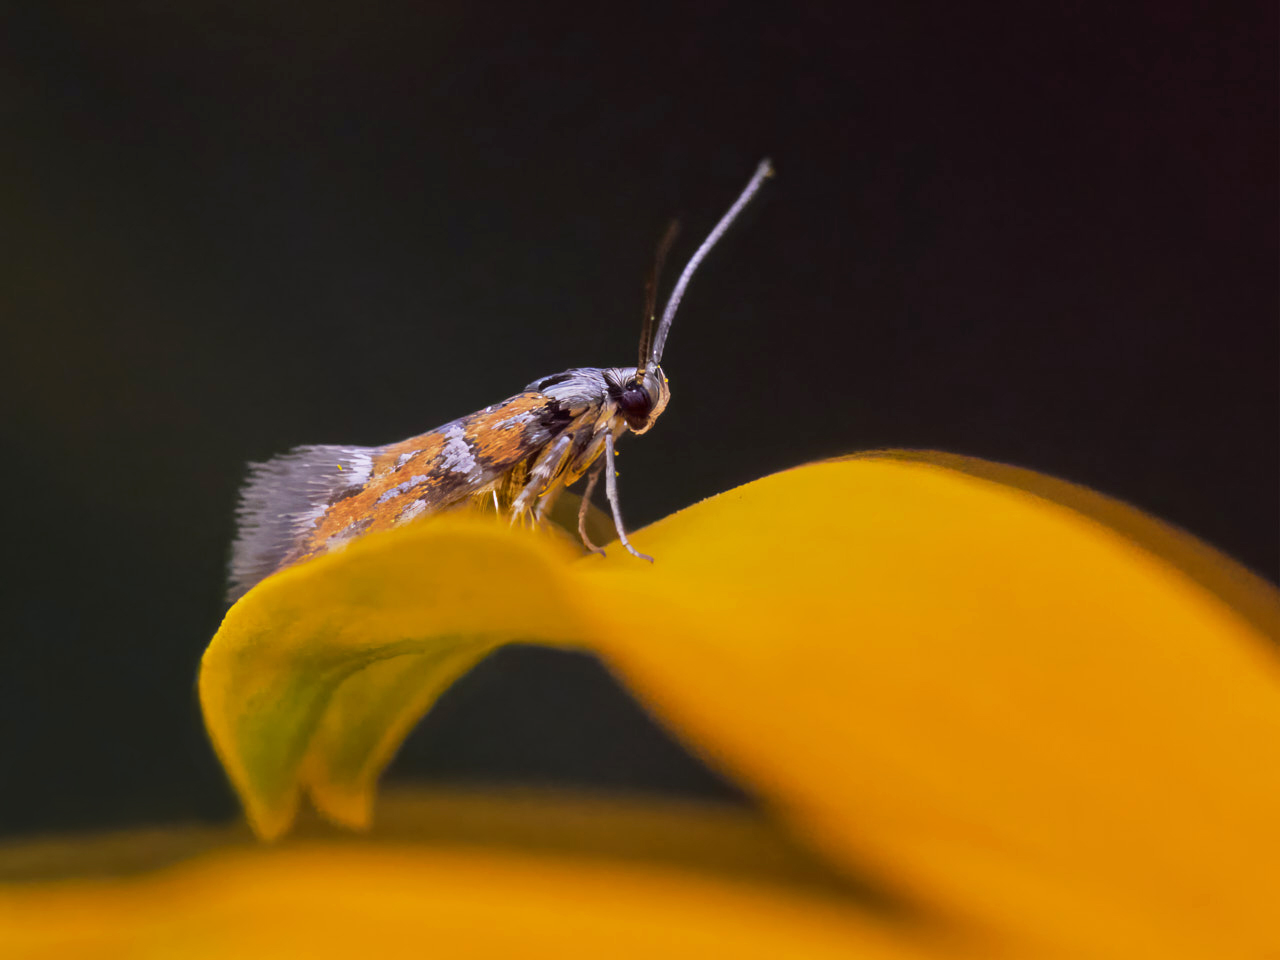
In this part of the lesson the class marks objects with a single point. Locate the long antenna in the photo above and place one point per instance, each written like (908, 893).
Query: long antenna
(650, 320)
(763, 171)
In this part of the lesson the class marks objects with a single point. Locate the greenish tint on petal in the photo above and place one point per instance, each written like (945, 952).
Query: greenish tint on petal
(319, 671)
(368, 717)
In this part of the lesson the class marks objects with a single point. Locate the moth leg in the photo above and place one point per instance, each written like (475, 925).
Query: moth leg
(585, 505)
(541, 476)
(611, 487)
(546, 502)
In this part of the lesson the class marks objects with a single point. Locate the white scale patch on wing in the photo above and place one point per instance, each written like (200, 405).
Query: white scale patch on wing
(352, 467)
(343, 537)
(359, 465)
(412, 510)
(457, 456)
(400, 488)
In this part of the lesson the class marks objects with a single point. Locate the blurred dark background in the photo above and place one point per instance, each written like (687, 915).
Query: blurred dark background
(1038, 233)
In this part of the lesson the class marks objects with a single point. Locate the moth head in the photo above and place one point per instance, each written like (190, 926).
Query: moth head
(642, 396)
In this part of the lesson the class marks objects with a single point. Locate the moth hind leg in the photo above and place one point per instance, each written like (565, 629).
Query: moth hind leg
(584, 507)
(546, 501)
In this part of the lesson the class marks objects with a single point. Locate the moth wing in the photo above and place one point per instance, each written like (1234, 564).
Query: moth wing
(309, 500)
(280, 503)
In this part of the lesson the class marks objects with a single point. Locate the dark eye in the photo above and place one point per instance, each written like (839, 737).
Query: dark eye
(635, 404)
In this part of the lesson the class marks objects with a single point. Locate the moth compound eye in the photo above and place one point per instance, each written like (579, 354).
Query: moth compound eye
(635, 404)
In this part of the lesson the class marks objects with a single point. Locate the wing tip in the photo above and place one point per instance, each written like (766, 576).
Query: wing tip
(281, 499)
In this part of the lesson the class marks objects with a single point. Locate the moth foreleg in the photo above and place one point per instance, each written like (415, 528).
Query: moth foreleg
(611, 488)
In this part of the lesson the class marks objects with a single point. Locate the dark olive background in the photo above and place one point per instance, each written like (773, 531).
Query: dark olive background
(1038, 233)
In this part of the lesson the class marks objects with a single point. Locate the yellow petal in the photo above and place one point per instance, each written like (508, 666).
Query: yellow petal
(536, 877)
(1025, 703)
(351, 902)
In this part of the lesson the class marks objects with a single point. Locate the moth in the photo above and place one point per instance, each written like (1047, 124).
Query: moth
(515, 456)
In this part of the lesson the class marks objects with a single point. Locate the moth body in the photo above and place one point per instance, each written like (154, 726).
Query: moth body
(516, 456)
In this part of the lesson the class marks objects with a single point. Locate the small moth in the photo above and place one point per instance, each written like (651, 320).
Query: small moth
(517, 455)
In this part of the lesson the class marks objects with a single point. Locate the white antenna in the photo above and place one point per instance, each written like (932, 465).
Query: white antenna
(764, 171)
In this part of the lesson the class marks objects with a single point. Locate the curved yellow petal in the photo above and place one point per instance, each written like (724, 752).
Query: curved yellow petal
(317, 672)
(983, 684)
(1032, 708)
(371, 712)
